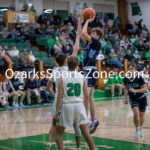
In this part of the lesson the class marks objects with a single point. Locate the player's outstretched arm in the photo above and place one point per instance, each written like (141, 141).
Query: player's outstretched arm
(49, 88)
(59, 96)
(84, 31)
(78, 34)
(86, 96)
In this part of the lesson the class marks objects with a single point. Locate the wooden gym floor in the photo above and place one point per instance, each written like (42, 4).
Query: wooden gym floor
(27, 129)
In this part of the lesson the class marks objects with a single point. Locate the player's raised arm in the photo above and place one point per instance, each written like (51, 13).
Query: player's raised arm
(78, 34)
(84, 31)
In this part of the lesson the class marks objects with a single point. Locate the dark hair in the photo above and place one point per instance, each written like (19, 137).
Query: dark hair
(98, 31)
(72, 62)
(60, 59)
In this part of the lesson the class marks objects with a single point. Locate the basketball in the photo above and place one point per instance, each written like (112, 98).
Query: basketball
(89, 13)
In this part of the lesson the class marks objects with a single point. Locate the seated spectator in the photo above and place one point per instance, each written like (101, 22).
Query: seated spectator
(16, 85)
(132, 39)
(147, 55)
(3, 101)
(49, 30)
(71, 19)
(114, 59)
(140, 64)
(115, 81)
(68, 50)
(50, 44)
(115, 27)
(136, 42)
(50, 18)
(25, 31)
(24, 59)
(3, 64)
(7, 57)
(103, 42)
(58, 45)
(116, 46)
(147, 46)
(122, 42)
(5, 49)
(44, 91)
(57, 19)
(14, 52)
(43, 28)
(119, 56)
(38, 30)
(117, 20)
(31, 59)
(127, 43)
(70, 43)
(13, 34)
(135, 55)
(5, 33)
(129, 28)
(145, 32)
(42, 19)
(129, 56)
(31, 87)
(64, 45)
(80, 57)
(38, 82)
(19, 37)
(141, 47)
(108, 49)
(10, 92)
(122, 52)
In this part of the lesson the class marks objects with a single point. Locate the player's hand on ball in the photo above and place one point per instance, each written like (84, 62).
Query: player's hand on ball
(132, 90)
(91, 19)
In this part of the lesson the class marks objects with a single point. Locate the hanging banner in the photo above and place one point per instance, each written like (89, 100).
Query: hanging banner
(135, 9)
(21, 17)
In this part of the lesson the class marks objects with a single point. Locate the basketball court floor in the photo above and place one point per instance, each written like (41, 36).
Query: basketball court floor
(27, 129)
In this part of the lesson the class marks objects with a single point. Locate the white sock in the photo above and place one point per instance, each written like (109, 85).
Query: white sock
(138, 129)
(79, 148)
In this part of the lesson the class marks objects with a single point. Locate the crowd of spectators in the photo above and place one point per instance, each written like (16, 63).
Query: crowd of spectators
(59, 34)
(20, 91)
(26, 59)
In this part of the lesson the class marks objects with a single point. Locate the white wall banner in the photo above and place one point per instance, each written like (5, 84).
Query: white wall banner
(21, 17)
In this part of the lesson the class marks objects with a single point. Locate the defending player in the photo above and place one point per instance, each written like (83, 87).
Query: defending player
(90, 53)
(73, 95)
(137, 89)
(62, 62)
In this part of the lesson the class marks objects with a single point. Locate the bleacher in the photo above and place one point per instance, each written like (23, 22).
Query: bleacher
(40, 56)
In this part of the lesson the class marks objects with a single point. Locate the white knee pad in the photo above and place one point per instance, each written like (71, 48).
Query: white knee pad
(77, 130)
